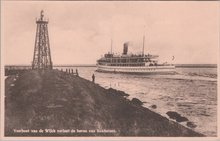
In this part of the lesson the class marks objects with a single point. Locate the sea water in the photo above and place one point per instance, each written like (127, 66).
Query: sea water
(191, 92)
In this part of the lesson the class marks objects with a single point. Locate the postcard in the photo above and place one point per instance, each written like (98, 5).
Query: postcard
(109, 70)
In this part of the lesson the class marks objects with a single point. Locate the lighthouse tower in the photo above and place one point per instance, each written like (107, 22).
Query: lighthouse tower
(42, 55)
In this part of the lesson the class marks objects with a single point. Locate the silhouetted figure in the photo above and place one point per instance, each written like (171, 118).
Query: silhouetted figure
(77, 73)
(93, 78)
(72, 71)
(62, 70)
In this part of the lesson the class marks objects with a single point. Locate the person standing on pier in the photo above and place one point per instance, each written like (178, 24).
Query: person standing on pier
(77, 72)
(93, 78)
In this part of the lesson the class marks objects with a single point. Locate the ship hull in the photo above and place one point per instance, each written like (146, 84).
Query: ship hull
(137, 70)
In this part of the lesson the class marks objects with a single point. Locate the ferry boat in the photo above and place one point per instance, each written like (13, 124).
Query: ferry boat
(133, 63)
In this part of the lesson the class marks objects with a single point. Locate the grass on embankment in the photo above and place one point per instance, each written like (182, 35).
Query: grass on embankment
(56, 100)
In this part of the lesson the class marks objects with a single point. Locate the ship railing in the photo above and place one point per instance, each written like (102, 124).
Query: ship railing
(125, 64)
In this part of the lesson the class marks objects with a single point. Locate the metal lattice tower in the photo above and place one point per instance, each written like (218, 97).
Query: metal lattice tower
(42, 55)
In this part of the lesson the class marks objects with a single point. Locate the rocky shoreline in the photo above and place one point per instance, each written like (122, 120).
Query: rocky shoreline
(55, 103)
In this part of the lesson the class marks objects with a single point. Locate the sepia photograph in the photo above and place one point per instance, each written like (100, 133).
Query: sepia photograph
(92, 69)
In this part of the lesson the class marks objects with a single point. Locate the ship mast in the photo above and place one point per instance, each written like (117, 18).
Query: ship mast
(143, 46)
(111, 46)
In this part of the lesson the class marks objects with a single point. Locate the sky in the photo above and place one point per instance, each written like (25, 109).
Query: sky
(80, 32)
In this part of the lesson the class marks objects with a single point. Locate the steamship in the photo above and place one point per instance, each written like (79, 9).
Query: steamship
(133, 63)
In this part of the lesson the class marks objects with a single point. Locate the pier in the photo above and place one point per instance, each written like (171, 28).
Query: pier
(57, 100)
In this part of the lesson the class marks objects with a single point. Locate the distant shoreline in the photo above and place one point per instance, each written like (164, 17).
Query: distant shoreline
(92, 65)
(196, 65)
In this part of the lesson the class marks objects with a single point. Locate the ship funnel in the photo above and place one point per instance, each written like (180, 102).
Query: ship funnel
(125, 50)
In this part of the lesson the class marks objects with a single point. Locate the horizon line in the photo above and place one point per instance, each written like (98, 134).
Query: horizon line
(55, 65)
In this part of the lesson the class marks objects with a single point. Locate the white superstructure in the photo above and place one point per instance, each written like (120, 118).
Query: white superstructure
(137, 69)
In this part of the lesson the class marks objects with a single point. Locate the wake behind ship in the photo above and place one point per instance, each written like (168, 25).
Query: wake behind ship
(133, 63)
